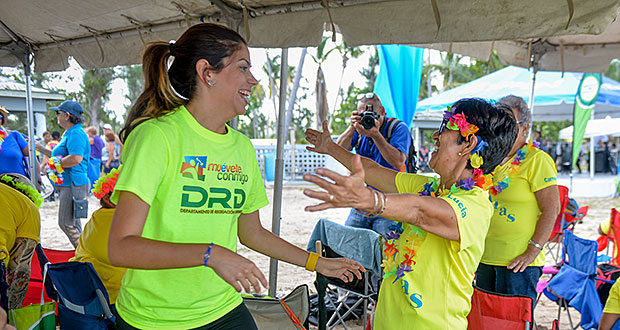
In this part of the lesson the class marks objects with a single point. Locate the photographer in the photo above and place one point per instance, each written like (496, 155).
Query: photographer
(369, 133)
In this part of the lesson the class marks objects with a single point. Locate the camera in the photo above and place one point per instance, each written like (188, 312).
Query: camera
(368, 117)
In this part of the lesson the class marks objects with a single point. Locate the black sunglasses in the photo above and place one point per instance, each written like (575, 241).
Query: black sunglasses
(442, 126)
(367, 96)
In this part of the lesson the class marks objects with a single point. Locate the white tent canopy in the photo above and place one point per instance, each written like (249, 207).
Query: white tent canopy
(595, 127)
(108, 33)
(576, 53)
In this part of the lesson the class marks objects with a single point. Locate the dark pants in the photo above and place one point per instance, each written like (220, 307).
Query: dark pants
(237, 319)
(500, 279)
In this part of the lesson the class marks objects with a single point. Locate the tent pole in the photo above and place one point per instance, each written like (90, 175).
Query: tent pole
(279, 175)
(34, 172)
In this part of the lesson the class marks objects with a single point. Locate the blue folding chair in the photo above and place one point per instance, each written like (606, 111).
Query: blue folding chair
(575, 284)
(83, 301)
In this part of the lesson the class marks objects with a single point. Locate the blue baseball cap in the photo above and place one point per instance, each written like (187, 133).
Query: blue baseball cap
(71, 107)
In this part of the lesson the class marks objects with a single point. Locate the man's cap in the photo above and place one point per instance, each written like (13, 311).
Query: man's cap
(71, 107)
(108, 126)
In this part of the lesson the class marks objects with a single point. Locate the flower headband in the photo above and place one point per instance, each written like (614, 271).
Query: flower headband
(25, 189)
(105, 184)
(459, 122)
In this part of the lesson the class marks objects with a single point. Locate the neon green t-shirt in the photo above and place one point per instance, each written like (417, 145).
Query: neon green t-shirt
(516, 210)
(612, 305)
(436, 294)
(197, 183)
(20, 218)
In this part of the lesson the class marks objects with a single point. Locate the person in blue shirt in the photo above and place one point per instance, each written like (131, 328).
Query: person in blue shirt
(374, 143)
(13, 148)
(74, 147)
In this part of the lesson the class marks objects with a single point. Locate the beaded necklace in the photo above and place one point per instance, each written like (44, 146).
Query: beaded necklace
(507, 172)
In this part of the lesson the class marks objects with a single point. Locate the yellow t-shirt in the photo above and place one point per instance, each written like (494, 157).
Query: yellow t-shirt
(612, 305)
(436, 294)
(516, 210)
(93, 248)
(196, 183)
(20, 218)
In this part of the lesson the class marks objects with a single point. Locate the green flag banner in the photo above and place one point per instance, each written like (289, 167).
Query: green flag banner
(585, 99)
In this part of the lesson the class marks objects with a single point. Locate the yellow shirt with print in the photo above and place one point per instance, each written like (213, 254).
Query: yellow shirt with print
(20, 218)
(436, 294)
(196, 183)
(517, 212)
(93, 248)
(612, 305)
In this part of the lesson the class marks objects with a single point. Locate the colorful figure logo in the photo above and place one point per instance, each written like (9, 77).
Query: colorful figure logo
(194, 164)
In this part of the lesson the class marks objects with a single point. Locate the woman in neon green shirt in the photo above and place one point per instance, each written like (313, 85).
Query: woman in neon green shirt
(433, 252)
(526, 204)
(189, 187)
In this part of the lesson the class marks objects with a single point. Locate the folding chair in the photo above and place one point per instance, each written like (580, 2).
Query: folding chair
(554, 243)
(613, 235)
(362, 245)
(33, 295)
(575, 284)
(83, 301)
(496, 311)
(290, 312)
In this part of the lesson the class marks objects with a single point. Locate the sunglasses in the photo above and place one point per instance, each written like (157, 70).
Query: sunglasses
(367, 96)
(442, 127)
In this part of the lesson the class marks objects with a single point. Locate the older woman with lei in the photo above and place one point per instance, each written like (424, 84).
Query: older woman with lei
(526, 201)
(432, 253)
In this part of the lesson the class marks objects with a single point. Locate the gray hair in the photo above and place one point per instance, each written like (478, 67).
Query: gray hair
(516, 102)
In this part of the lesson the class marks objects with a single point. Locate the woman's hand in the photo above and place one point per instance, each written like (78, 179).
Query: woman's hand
(236, 270)
(346, 191)
(341, 268)
(520, 263)
(320, 140)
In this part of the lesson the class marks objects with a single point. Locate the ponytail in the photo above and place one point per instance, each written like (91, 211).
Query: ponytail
(158, 97)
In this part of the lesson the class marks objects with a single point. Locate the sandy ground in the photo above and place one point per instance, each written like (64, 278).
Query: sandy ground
(296, 226)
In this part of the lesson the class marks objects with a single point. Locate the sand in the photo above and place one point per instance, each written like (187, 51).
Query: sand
(296, 226)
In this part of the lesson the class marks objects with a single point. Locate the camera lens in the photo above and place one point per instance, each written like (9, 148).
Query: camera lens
(368, 119)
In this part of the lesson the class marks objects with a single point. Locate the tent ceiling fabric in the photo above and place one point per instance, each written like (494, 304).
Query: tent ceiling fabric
(105, 33)
(573, 53)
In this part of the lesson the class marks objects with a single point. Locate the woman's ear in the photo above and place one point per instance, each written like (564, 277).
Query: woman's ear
(470, 145)
(204, 70)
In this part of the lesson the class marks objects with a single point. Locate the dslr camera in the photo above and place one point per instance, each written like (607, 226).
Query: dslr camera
(368, 117)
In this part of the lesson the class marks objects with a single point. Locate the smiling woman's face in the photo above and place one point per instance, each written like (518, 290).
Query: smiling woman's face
(446, 149)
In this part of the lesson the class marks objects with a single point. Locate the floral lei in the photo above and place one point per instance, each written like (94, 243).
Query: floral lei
(25, 189)
(105, 184)
(506, 172)
(415, 236)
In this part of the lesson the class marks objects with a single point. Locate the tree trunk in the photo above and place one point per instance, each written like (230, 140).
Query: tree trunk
(272, 86)
(293, 96)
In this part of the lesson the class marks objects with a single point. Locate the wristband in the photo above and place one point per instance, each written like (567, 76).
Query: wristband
(538, 246)
(207, 254)
(313, 258)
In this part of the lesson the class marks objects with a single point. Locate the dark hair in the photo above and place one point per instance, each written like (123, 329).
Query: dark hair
(497, 127)
(109, 137)
(73, 119)
(166, 89)
(56, 135)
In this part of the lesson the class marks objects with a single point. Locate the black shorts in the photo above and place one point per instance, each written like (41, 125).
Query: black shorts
(237, 319)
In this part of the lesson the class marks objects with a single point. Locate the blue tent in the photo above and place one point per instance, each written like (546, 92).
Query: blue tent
(554, 95)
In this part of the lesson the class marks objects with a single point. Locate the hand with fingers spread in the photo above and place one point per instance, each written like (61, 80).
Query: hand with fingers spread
(345, 191)
(236, 270)
(342, 268)
(320, 140)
